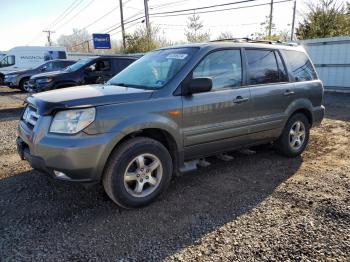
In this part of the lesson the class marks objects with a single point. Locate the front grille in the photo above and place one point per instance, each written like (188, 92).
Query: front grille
(30, 116)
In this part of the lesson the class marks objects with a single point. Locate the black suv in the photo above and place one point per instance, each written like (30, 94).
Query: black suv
(19, 79)
(92, 70)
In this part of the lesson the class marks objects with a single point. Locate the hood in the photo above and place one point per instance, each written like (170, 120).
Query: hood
(49, 74)
(16, 72)
(85, 96)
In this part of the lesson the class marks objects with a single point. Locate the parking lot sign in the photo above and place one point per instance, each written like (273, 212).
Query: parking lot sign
(101, 41)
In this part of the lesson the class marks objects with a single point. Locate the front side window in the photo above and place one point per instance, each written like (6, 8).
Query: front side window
(262, 67)
(155, 69)
(79, 64)
(301, 67)
(7, 61)
(223, 67)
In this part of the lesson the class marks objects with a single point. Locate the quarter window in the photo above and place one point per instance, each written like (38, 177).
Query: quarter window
(262, 67)
(7, 61)
(223, 67)
(301, 67)
(281, 69)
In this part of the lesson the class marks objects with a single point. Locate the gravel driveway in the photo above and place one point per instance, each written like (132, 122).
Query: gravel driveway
(256, 207)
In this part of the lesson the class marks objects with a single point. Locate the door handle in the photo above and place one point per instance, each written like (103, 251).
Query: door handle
(240, 99)
(288, 92)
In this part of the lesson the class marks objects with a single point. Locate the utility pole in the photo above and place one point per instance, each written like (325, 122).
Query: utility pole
(147, 17)
(293, 23)
(49, 32)
(122, 22)
(270, 23)
(148, 28)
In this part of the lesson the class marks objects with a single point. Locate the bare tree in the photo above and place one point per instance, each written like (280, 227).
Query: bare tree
(79, 41)
(194, 31)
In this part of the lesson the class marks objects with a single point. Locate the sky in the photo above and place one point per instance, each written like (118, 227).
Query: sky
(22, 21)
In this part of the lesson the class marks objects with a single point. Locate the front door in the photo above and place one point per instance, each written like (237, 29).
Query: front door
(217, 120)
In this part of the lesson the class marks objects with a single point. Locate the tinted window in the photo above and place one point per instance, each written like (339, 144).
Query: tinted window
(301, 67)
(223, 67)
(64, 64)
(262, 67)
(102, 65)
(281, 69)
(122, 63)
(8, 61)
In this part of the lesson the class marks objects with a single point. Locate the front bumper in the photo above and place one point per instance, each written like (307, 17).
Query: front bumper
(81, 157)
(10, 83)
(34, 87)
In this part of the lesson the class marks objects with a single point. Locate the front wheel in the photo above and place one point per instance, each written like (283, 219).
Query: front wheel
(138, 171)
(23, 85)
(295, 136)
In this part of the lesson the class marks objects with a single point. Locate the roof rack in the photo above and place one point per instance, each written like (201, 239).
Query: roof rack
(249, 40)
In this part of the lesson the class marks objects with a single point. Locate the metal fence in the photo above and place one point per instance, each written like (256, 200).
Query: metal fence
(331, 57)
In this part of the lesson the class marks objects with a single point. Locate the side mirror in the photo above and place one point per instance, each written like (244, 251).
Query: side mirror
(44, 68)
(198, 85)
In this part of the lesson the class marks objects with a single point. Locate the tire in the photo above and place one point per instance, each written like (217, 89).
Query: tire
(284, 144)
(21, 84)
(125, 190)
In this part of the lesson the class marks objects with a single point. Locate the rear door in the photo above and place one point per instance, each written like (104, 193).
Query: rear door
(271, 92)
(219, 119)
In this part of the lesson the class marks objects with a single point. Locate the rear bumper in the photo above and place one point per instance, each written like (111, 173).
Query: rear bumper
(318, 115)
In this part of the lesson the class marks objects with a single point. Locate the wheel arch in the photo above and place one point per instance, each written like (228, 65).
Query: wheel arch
(161, 135)
(303, 106)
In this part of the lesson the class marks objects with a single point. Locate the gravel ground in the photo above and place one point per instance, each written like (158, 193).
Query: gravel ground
(256, 207)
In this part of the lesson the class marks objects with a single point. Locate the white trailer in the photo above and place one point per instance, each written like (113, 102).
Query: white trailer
(331, 57)
(26, 57)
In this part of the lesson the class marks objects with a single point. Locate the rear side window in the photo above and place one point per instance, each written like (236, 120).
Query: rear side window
(223, 67)
(301, 67)
(262, 67)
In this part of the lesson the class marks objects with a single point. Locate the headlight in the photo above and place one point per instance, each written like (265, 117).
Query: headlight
(72, 121)
(10, 76)
(43, 80)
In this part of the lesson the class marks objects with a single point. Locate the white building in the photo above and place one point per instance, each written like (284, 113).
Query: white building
(331, 57)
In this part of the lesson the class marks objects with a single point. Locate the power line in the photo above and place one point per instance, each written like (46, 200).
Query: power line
(99, 19)
(225, 9)
(66, 12)
(204, 7)
(73, 17)
(113, 29)
(170, 13)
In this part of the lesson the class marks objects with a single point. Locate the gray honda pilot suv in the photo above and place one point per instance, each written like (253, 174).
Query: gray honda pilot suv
(167, 110)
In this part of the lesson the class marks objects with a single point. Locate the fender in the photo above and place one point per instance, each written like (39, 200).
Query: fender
(134, 124)
(298, 104)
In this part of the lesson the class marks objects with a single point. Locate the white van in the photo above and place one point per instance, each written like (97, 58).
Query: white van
(26, 57)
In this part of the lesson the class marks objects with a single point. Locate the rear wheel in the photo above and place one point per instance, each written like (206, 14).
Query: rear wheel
(295, 136)
(137, 172)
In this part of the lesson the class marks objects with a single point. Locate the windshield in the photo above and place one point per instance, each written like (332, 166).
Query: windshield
(76, 66)
(155, 69)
